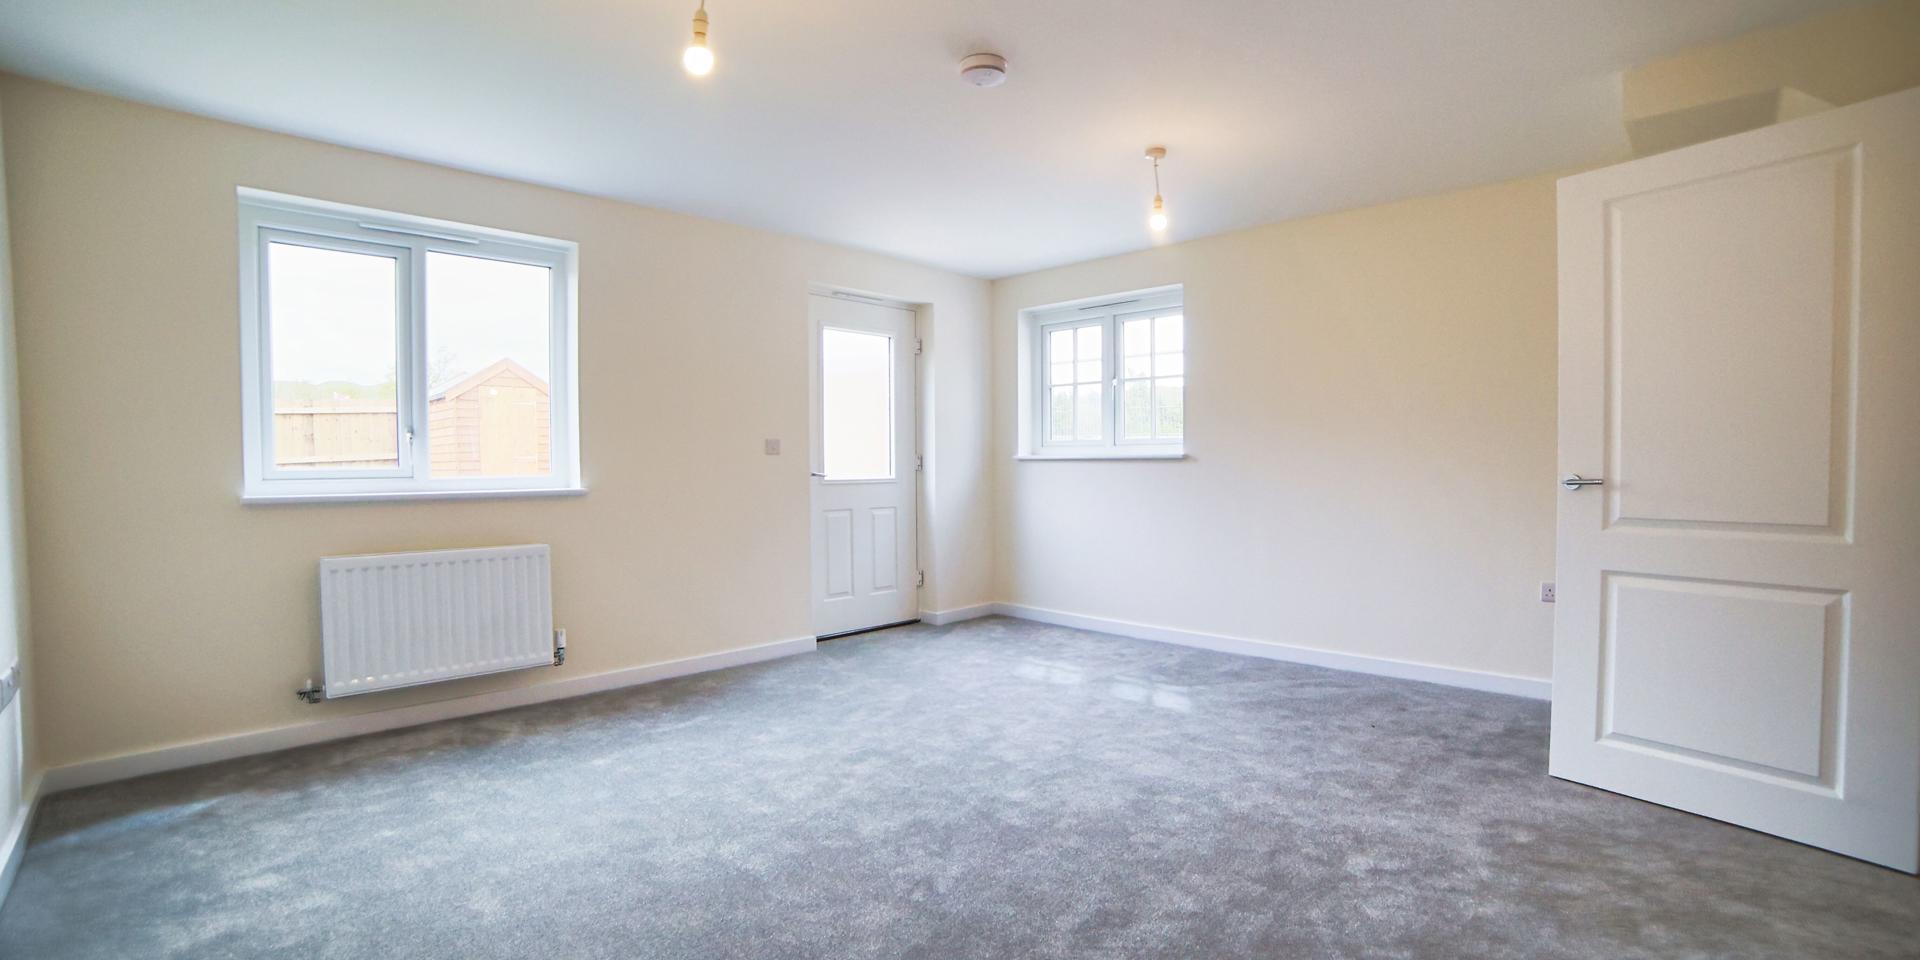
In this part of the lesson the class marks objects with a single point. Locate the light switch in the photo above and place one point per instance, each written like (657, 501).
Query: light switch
(773, 447)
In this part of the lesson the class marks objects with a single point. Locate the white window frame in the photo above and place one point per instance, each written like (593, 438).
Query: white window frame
(267, 217)
(1108, 312)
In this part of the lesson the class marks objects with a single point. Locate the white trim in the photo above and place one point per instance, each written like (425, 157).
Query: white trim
(13, 849)
(1531, 687)
(940, 618)
(415, 495)
(193, 754)
(1122, 454)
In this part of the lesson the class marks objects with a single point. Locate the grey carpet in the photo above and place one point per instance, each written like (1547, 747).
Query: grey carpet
(991, 789)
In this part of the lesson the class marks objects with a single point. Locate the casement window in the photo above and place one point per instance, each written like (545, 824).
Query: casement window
(387, 356)
(1106, 378)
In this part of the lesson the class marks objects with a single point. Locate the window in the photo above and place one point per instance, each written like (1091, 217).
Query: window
(1106, 379)
(385, 355)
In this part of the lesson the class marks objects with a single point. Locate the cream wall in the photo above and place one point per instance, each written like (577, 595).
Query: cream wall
(1852, 54)
(16, 758)
(166, 612)
(1370, 415)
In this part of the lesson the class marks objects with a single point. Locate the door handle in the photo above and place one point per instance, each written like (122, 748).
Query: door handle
(1577, 481)
(818, 475)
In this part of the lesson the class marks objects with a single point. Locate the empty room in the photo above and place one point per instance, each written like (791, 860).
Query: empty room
(1106, 479)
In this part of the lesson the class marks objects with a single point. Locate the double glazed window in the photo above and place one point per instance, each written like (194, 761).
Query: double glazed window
(1110, 378)
(383, 355)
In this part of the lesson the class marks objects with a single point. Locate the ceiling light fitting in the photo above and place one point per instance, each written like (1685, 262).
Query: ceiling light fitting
(699, 57)
(984, 69)
(1157, 218)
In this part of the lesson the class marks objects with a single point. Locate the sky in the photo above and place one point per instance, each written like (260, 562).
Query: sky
(333, 314)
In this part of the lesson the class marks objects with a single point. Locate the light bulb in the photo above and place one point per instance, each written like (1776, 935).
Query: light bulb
(698, 59)
(1158, 218)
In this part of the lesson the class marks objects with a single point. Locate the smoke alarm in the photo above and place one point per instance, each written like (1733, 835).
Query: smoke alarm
(984, 69)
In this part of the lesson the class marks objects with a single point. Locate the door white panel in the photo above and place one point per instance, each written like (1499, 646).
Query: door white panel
(1737, 674)
(1738, 622)
(865, 485)
(886, 548)
(1695, 268)
(839, 552)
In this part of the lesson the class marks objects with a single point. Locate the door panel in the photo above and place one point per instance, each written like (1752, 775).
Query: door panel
(865, 485)
(838, 553)
(886, 548)
(1663, 635)
(1695, 268)
(1738, 629)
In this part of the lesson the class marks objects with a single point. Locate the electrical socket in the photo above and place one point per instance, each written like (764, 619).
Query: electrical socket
(1546, 591)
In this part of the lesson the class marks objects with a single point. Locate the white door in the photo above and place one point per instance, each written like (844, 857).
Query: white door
(1738, 626)
(865, 563)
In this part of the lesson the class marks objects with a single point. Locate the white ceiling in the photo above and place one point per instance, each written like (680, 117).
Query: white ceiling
(845, 120)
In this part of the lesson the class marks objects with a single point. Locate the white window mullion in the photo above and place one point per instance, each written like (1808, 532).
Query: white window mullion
(1109, 382)
(415, 388)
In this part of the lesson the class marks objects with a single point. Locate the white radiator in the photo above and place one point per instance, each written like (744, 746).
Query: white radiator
(399, 619)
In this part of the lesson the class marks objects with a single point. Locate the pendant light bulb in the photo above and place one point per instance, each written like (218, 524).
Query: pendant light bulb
(1157, 219)
(699, 57)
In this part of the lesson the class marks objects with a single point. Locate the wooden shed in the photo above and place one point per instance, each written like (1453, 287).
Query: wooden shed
(497, 422)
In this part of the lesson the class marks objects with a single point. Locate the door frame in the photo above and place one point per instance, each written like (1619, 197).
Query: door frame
(814, 446)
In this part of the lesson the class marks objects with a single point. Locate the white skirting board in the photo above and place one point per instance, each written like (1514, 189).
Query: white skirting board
(943, 617)
(13, 847)
(200, 752)
(1534, 688)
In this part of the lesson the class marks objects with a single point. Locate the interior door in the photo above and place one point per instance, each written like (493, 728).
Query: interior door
(1738, 625)
(865, 559)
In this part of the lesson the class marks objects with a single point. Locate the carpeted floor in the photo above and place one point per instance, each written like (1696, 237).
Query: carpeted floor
(990, 789)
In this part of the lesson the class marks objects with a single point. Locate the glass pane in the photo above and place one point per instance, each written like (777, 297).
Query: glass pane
(1060, 346)
(1061, 373)
(1089, 372)
(489, 330)
(1140, 366)
(331, 327)
(1139, 338)
(1060, 415)
(856, 404)
(1086, 424)
(1169, 364)
(1139, 410)
(1169, 334)
(1170, 403)
(1089, 342)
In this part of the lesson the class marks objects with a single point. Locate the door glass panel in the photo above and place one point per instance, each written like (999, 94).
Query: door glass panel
(488, 338)
(856, 404)
(332, 318)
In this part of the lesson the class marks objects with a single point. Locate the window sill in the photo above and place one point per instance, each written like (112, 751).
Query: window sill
(373, 497)
(1106, 455)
